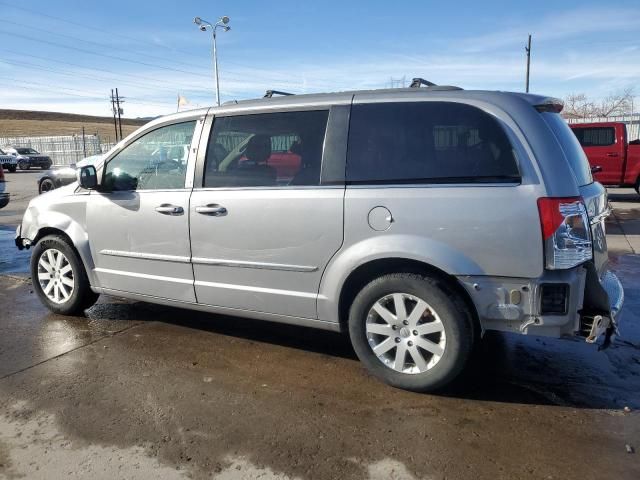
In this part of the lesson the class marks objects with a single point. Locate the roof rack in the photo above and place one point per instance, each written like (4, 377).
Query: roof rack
(417, 82)
(271, 93)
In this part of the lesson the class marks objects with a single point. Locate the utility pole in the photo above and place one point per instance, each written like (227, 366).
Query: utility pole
(113, 109)
(528, 50)
(120, 111)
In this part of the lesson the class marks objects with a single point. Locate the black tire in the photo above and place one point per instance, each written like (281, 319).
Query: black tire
(455, 319)
(81, 297)
(46, 185)
(46, 167)
(13, 168)
(637, 186)
(23, 165)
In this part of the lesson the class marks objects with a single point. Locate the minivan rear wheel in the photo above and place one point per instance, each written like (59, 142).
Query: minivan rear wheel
(59, 277)
(411, 332)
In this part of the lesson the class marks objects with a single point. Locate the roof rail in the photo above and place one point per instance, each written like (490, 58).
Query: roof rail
(416, 82)
(271, 93)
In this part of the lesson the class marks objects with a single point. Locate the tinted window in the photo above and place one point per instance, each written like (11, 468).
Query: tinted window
(270, 149)
(427, 142)
(595, 137)
(571, 147)
(26, 151)
(157, 160)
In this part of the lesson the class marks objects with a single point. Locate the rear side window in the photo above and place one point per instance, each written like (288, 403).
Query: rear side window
(595, 137)
(571, 147)
(427, 142)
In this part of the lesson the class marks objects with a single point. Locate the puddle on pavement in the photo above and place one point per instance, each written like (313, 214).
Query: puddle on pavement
(12, 260)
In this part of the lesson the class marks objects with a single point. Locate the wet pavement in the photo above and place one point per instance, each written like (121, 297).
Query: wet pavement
(135, 390)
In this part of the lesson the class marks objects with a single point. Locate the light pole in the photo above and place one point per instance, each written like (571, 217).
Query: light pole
(204, 26)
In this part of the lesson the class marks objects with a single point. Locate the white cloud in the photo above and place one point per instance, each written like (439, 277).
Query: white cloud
(573, 23)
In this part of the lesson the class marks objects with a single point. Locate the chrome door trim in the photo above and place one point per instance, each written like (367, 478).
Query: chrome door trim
(245, 264)
(245, 288)
(146, 276)
(145, 256)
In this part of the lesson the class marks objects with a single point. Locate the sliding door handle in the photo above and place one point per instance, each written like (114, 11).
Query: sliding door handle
(212, 210)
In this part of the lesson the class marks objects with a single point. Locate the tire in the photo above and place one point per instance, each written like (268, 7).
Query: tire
(46, 185)
(23, 165)
(445, 321)
(46, 166)
(13, 168)
(79, 295)
(637, 186)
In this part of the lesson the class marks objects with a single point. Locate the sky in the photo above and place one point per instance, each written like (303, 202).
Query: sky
(67, 55)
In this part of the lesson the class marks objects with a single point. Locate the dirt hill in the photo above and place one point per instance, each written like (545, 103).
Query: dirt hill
(26, 123)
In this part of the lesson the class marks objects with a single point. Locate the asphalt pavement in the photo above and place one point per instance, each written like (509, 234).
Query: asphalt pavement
(134, 390)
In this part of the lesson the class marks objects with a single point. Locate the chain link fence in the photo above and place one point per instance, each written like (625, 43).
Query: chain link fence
(63, 149)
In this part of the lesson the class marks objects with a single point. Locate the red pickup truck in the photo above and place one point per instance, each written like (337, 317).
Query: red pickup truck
(614, 160)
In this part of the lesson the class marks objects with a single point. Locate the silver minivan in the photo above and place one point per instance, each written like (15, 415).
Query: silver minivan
(414, 219)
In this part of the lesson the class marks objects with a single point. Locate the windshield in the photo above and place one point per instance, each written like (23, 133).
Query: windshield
(26, 151)
(571, 147)
(2, 152)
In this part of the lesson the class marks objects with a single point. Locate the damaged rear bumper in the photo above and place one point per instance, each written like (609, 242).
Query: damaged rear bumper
(604, 298)
(560, 303)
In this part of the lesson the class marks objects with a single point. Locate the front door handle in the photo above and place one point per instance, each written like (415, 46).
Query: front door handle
(168, 209)
(213, 210)
(612, 154)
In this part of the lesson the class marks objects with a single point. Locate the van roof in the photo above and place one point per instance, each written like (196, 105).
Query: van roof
(501, 98)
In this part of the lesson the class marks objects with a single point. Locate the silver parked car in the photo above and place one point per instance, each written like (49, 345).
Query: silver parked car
(415, 219)
(9, 162)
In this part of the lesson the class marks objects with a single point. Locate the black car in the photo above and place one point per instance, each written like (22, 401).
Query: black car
(28, 157)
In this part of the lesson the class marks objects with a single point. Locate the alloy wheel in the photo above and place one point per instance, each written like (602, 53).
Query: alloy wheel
(405, 333)
(55, 276)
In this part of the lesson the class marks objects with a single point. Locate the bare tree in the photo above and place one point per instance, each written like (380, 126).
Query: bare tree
(578, 105)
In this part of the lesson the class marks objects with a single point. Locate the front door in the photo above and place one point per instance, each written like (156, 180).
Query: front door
(139, 227)
(262, 226)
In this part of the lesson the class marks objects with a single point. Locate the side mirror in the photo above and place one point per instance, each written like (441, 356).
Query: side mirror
(88, 177)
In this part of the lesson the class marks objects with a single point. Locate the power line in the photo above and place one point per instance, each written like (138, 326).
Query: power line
(44, 87)
(132, 75)
(77, 24)
(105, 55)
(102, 45)
(93, 77)
(138, 40)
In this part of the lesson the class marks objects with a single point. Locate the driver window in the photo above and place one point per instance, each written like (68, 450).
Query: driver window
(155, 161)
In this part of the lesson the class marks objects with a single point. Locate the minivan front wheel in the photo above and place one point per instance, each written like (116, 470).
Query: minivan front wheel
(59, 277)
(410, 332)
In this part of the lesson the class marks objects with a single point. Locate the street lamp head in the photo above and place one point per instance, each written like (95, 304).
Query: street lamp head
(224, 19)
(226, 28)
(197, 20)
(203, 28)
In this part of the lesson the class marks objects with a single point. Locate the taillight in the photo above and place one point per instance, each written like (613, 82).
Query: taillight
(565, 232)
